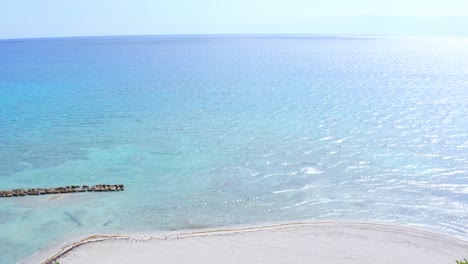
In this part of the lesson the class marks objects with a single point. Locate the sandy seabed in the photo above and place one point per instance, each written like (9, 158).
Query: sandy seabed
(306, 242)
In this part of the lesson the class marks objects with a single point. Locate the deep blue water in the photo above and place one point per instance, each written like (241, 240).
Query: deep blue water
(209, 131)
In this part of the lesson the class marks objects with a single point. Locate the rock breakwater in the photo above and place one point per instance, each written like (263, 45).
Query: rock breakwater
(65, 189)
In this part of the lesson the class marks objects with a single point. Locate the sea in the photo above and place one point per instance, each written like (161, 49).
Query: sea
(211, 131)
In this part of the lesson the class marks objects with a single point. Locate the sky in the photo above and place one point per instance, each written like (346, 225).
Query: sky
(64, 18)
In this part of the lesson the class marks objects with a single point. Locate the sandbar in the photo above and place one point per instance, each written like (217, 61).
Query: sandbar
(302, 242)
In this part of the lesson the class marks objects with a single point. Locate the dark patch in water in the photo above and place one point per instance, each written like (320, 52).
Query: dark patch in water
(73, 219)
(6, 216)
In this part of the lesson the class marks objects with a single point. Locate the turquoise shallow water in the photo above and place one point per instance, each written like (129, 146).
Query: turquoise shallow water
(209, 131)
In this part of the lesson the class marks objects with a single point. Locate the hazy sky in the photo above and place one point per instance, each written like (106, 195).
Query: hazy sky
(52, 18)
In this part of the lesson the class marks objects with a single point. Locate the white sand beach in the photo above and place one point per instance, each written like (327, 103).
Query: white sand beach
(308, 242)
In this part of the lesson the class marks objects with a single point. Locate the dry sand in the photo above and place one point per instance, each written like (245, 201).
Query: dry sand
(311, 242)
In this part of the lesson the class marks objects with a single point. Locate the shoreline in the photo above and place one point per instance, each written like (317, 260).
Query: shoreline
(328, 240)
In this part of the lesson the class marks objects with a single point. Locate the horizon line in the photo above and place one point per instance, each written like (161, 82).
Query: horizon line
(240, 34)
